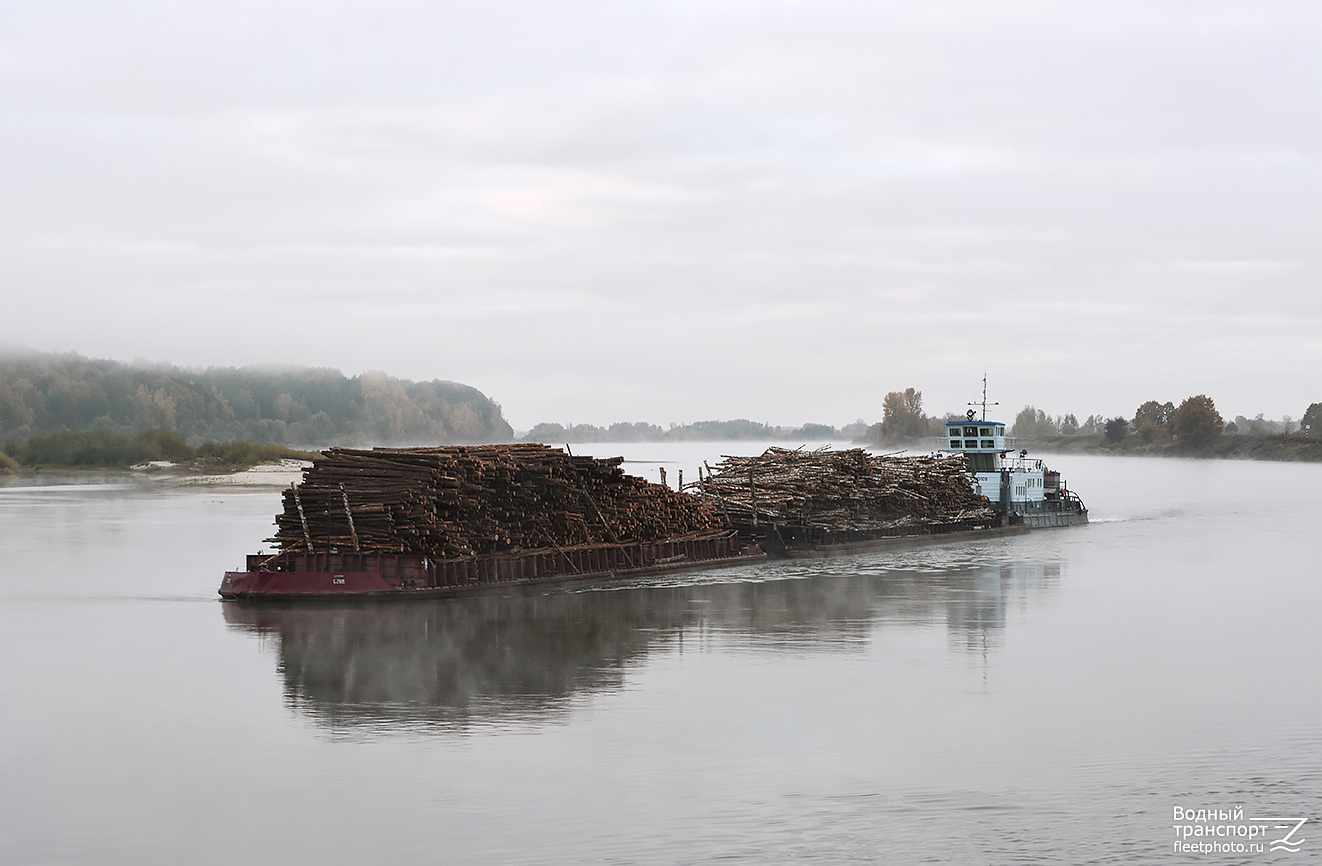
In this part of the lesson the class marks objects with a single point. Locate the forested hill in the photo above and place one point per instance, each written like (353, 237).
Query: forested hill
(47, 393)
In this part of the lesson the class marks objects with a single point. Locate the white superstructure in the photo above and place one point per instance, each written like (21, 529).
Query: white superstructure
(1015, 484)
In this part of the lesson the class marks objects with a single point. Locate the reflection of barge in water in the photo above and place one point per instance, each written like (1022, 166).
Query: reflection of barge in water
(438, 666)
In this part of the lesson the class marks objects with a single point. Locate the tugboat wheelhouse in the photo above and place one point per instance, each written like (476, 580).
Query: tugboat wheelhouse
(1023, 489)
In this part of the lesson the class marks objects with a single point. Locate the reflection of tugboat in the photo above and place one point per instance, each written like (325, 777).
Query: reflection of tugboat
(1020, 488)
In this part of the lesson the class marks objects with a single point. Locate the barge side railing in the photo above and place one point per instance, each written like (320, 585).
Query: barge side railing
(408, 570)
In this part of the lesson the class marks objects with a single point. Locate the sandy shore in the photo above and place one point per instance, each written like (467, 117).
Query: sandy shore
(281, 474)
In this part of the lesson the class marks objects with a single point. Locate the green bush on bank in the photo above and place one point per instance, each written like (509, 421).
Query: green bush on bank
(94, 448)
(103, 449)
(249, 453)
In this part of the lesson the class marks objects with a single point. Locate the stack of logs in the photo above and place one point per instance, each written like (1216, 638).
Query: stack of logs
(458, 501)
(843, 490)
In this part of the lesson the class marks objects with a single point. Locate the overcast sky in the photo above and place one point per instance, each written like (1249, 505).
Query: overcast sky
(602, 211)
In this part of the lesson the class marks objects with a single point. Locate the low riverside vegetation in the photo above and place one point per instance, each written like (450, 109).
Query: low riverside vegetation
(102, 449)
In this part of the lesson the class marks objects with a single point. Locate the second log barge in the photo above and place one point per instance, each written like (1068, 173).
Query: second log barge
(803, 504)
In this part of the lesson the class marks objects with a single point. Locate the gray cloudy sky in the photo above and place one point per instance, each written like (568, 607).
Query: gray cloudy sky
(599, 211)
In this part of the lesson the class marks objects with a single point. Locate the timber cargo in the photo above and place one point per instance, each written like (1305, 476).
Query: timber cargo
(454, 520)
(799, 503)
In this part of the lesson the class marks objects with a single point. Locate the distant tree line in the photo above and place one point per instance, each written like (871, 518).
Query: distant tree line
(41, 394)
(905, 422)
(1195, 421)
(698, 431)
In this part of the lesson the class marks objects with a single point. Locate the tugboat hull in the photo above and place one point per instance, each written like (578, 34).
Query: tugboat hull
(1053, 518)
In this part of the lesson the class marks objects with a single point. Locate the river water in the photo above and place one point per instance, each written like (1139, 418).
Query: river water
(1046, 698)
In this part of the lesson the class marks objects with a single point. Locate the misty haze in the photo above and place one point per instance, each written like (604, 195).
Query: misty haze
(805, 433)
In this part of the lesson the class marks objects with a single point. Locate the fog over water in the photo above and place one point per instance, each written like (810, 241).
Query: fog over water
(672, 212)
(1044, 698)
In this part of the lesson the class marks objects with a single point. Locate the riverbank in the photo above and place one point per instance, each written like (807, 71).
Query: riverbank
(152, 450)
(278, 473)
(1228, 446)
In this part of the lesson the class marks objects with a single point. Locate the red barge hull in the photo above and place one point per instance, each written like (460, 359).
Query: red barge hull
(388, 575)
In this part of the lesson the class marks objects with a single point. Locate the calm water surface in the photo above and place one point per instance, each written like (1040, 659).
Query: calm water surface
(1048, 698)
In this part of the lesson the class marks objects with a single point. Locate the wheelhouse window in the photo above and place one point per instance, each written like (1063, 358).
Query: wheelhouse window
(988, 443)
(970, 431)
(984, 431)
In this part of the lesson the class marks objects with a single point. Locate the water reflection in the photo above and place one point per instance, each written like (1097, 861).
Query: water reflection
(976, 614)
(456, 664)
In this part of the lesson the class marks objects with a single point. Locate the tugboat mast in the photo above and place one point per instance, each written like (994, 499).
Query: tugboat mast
(984, 404)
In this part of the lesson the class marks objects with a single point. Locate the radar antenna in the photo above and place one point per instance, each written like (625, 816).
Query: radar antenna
(984, 404)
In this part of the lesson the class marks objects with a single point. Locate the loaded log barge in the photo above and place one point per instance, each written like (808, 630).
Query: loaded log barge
(449, 521)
